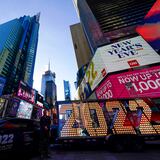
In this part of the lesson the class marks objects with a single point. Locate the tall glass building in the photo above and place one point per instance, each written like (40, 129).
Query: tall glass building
(18, 46)
(48, 87)
(108, 21)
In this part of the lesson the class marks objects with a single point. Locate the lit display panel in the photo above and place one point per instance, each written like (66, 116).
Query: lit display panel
(150, 27)
(100, 119)
(24, 110)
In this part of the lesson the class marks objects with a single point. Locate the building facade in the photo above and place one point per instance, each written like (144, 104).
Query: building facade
(18, 47)
(81, 46)
(48, 87)
(108, 21)
(82, 50)
(117, 48)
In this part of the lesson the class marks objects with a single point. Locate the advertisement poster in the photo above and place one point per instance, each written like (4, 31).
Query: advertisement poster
(139, 83)
(126, 54)
(130, 53)
(24, 110)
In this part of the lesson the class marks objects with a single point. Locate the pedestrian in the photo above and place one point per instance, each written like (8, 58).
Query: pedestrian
(45, 122)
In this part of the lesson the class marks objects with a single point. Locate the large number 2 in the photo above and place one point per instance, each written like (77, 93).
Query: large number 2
(6, 138)
(82, 116)
(91, 74)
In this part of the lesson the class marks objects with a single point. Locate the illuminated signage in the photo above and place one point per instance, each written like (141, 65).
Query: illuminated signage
(24, 110)
(90, 119)
(130, 53)
(149, 30)
(139, 83)
(25, 92)
(125, 49)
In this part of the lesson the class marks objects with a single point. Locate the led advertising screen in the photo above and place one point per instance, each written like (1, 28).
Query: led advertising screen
(130, 53)
(24, 110)
(12, 108)
(150, 28)
(25, 92)
(138, 83)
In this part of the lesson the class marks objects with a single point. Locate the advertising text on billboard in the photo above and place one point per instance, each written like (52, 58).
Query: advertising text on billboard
(140, 83)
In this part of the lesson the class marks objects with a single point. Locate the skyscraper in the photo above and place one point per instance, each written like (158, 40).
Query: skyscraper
(82, 50)
(18, 46)
(67, 92)
(48, 87)
(81, 46)
(108, 21)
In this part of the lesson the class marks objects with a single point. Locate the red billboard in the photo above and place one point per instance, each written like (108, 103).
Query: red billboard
(138, 83)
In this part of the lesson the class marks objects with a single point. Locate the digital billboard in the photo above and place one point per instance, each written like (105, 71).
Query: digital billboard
(24, 110)
(130, 53)
(150, 27)
(132, 84)
(13, 107)
(25, 92)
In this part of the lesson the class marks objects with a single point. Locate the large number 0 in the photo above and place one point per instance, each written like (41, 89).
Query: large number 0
(98, 131)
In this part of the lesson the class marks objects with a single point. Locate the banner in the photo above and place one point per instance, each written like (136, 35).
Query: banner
(133, 84)
(130, 53)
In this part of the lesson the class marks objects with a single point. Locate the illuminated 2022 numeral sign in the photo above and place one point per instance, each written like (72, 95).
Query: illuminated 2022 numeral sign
(90, 119)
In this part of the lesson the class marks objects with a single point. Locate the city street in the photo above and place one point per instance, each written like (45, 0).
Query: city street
(80, 80)
(151, 152)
